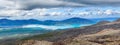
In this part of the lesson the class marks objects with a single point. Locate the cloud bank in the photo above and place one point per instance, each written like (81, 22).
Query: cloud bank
(60, 13)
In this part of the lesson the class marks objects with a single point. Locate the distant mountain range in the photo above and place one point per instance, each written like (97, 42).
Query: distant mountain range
(7, 22)
(102, 33)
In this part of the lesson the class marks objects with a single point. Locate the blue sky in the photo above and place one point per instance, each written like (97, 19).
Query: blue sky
(58, 9)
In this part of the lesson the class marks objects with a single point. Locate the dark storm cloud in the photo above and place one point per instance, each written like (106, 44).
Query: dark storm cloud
(32, 4)
(97, 2)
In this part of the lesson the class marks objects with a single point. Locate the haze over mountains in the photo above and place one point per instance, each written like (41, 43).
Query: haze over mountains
(71, 21)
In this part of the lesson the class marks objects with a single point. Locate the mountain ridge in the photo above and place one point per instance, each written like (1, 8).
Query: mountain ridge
(7, 22)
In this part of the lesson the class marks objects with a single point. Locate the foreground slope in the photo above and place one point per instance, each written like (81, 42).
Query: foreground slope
(104, 37)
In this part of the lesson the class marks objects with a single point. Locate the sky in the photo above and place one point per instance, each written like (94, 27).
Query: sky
(58, 9)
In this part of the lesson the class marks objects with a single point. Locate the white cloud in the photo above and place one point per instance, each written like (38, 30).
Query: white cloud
(9, 12)
(58, 14)
(108, 12)
(6, 4)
